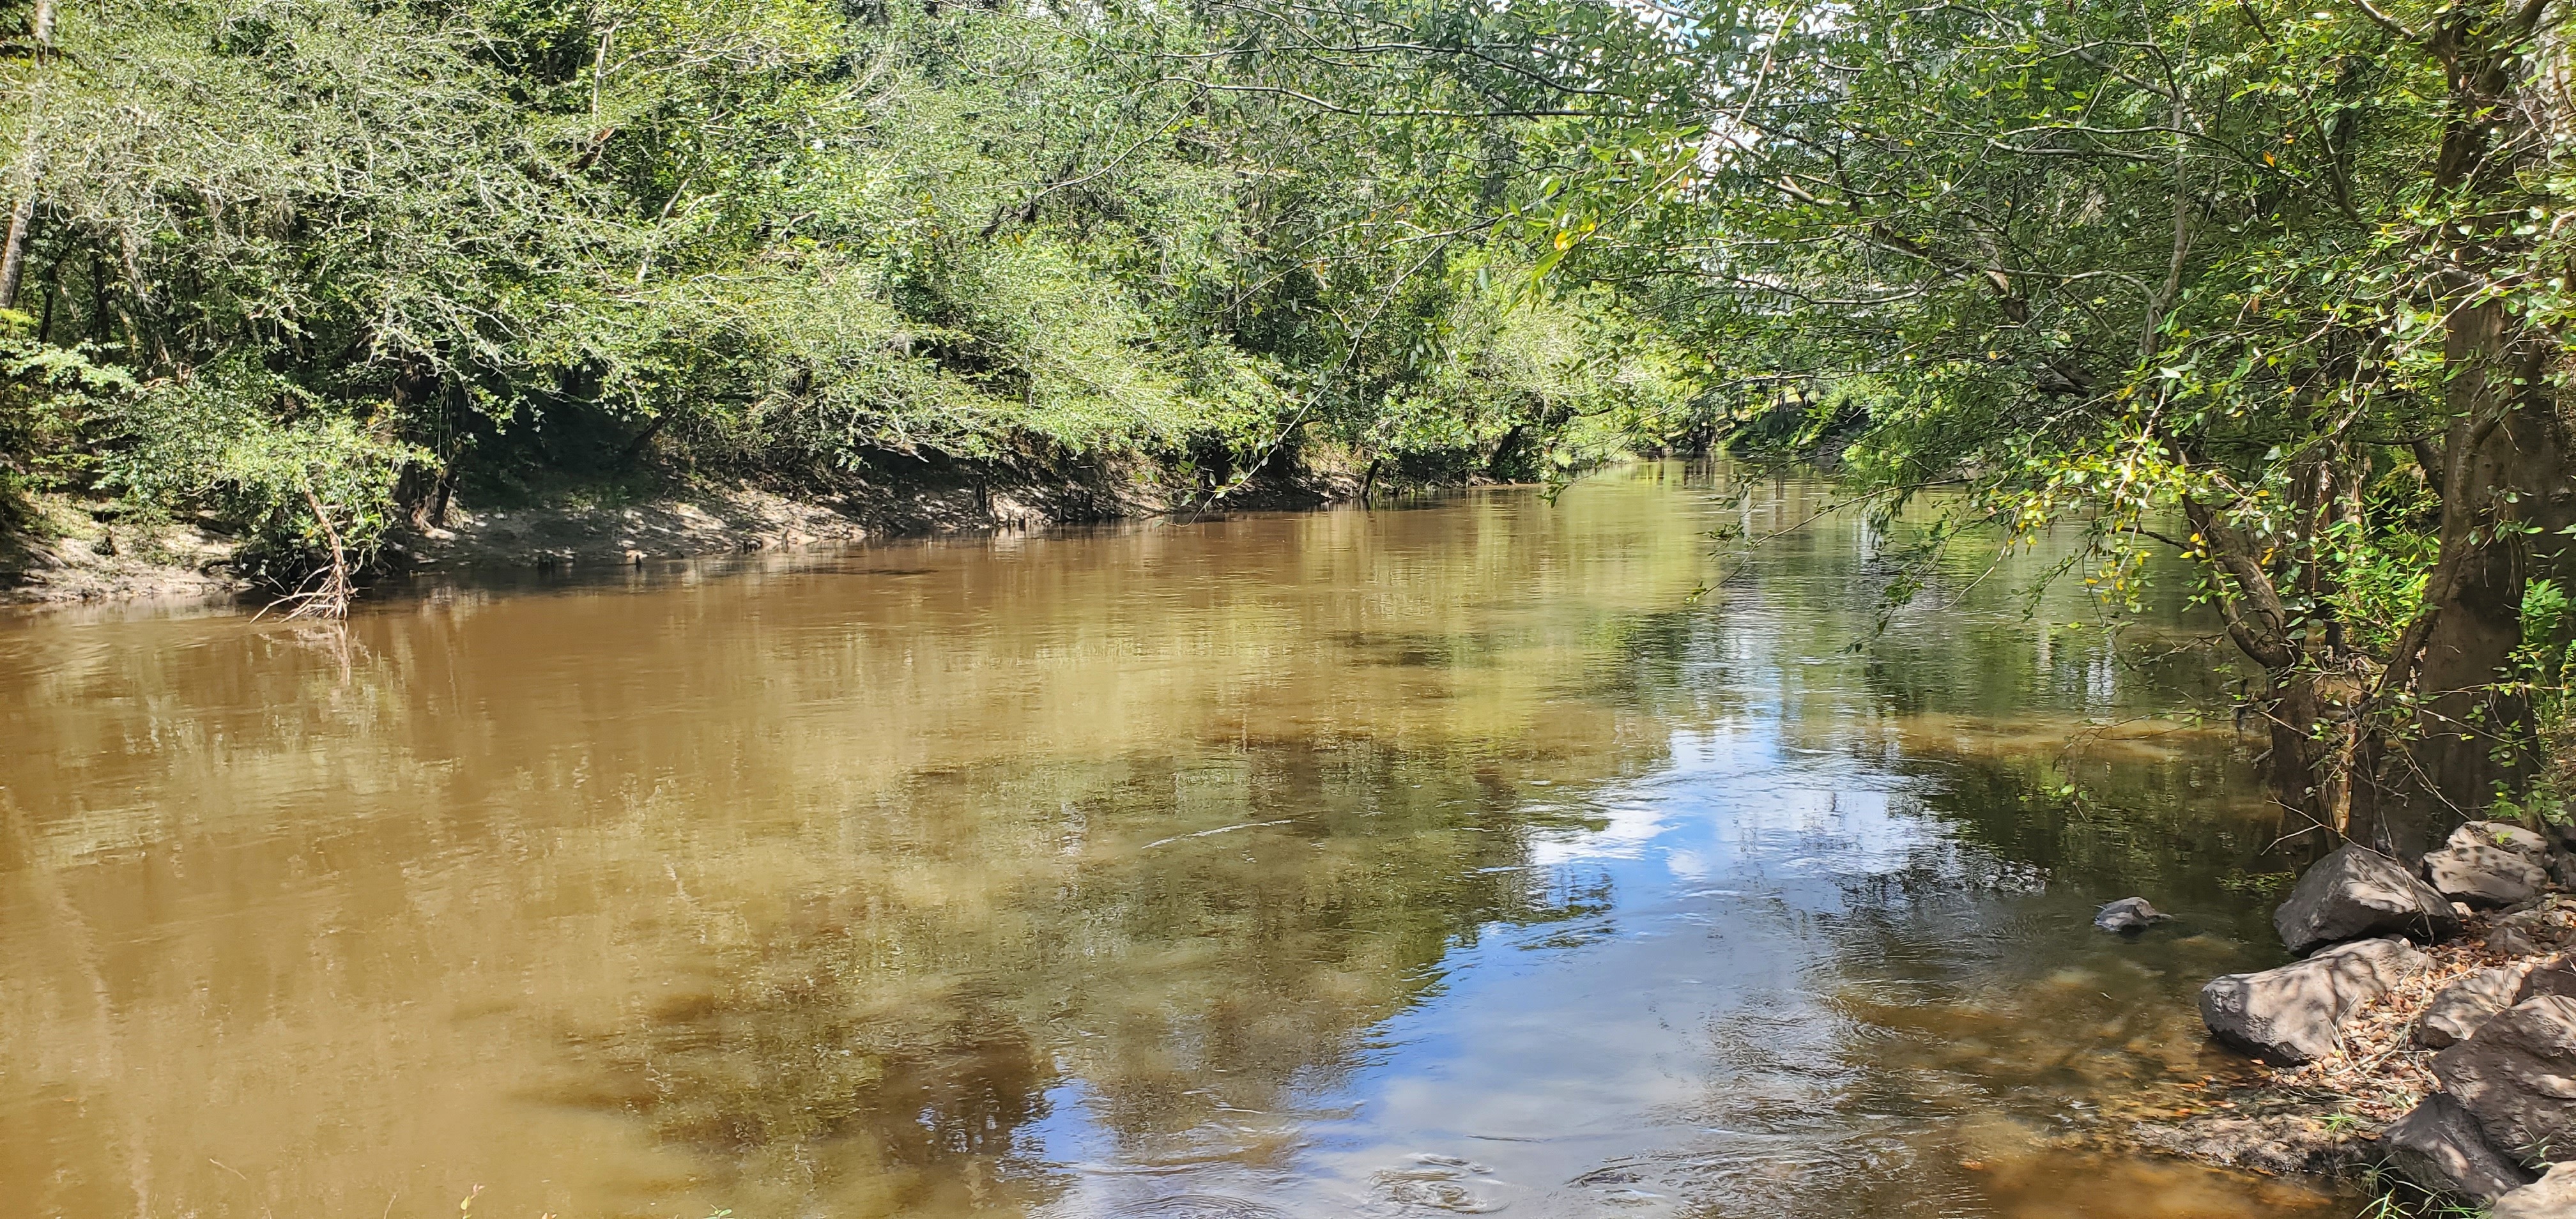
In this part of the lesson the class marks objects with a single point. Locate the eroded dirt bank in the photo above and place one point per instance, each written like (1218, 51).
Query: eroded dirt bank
(78, 553)
(66, 553)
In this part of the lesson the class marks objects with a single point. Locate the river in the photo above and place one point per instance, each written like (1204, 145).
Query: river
(1477, 854)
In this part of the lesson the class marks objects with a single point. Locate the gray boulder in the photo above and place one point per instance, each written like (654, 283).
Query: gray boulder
(2553, 1196)
(2554, 976)
(2551, 859)
(2510, 941)
(2128, 916)
(2485, 875)
(2356, 892)
(2545, 928)
(2503, 834)
(2438, 1145)
(2518, 1076)
(2458, 1009)
(2295, 1013)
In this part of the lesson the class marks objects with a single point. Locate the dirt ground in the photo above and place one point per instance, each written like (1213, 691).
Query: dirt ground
(70, 555)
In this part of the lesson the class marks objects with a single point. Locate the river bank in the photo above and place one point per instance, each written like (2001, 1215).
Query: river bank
(73, 552)
(65, 551)
(2420, 1049)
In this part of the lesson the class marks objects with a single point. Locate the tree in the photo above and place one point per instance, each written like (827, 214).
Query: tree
(2291, 275)
(780, 239)
(2280, 288)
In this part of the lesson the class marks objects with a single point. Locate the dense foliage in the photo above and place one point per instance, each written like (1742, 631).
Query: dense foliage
(302, 263)
(2277, 286)
(2281, 287)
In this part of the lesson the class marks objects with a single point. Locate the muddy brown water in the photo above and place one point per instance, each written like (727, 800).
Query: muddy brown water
(1454, 858)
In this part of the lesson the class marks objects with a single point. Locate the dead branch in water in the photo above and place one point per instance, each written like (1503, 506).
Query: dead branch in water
(327, 592)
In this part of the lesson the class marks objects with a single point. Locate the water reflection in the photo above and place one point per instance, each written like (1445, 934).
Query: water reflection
(1410, 862)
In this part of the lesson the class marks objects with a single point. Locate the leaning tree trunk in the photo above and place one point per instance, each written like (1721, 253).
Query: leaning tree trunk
(2308, 756)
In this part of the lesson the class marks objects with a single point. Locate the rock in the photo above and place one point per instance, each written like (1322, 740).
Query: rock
(2356, 892)
(2553, 1196)
(2502, 834)
(2523, 933)
(2535, 847)
(2485, 875)
(2438, 1145)
(2294, 1014)
(2458, 1009)
(2511, 941)
(2128, 916)
(2555, 976)
(2518, 1076)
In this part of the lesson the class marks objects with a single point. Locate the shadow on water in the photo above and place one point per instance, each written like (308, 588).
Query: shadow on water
(1356, 863)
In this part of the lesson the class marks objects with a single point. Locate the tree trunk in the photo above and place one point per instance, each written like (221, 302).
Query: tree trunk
(13, 258)
(2514, 493)
(428, 491)
(31, 166)
(2503, 479)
